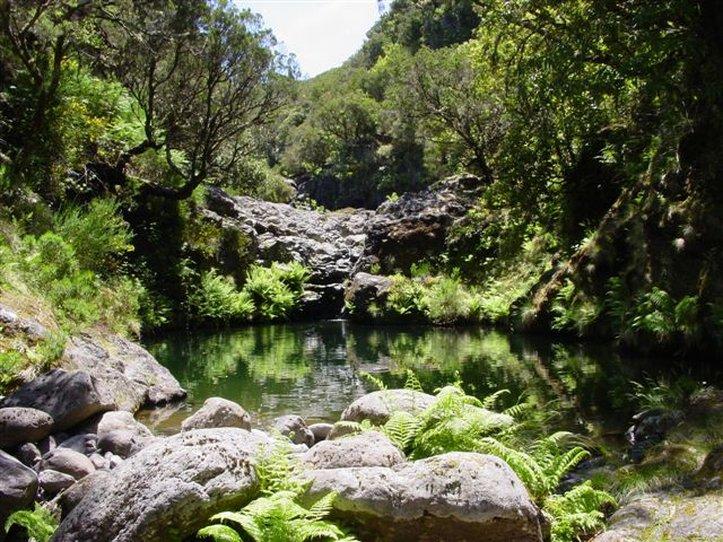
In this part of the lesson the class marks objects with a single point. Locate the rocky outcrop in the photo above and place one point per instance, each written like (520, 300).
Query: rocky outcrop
(667, 517)
(168, 490)
(368, 449)
(18, 485)
(218, 412)
(414, 226)
(378, 406)
(19, 425)
(130, 375)
(69, 397)
(455, 496)
(328, 243)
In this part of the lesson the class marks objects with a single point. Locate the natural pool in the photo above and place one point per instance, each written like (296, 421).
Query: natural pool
(315, 370)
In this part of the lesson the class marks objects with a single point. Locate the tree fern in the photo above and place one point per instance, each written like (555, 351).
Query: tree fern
(39, 523)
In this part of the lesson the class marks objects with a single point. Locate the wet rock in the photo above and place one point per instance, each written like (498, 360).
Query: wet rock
(168, 490)
(678, 516)
(130, 375)
(18, 425)
(295, 429)
(649, 428)
(18, 485)
(378, 406)
(368, 449)
(320, 431)
(218, 412)
(69, 397)
(455, 496)
(53, 482)
(28, 454)
(69, 462)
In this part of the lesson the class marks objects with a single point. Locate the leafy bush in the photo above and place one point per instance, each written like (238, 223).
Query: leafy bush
(98, 234)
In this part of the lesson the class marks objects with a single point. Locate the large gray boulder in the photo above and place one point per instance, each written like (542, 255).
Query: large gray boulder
(18, 485)
(456, 496)
(68, 462)
(69, 397)
(294, 427)
(168, 490)
(378, 406)
(674, 517)
(368, 449)
(131, 376)
(121, 420)
(218, 412)
(19, 425)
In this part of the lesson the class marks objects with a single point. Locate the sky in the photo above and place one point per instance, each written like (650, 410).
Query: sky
(321, 33)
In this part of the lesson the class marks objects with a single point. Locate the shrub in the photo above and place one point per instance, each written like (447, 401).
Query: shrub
(98, 234)
(446, 301)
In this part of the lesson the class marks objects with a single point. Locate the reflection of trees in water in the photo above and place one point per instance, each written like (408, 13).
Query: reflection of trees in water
(296, 365)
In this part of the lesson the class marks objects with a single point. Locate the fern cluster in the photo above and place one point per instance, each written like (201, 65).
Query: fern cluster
(459, 422)
(277, 515)
(39, 524)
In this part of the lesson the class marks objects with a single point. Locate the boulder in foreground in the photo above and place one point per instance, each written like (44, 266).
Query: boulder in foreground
(168, 490)
(456, 496)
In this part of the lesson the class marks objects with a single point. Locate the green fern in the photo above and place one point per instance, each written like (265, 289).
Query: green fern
(374, 380)
(578, 513)
(412, 382)
(39, 523)
(279, 517)
(219, 533)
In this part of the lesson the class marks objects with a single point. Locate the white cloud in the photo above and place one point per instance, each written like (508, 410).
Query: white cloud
(321, 33)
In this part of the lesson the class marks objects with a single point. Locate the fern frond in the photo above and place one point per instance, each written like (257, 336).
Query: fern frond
(39, 523)
(412, 382)
(374, 380)
(219, 533)
(491, 400)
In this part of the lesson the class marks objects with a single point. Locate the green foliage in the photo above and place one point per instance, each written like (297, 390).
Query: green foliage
(275, 290)
(578, 513)
(573, 312)
(278, 515)
(38, 523)
(218, 300)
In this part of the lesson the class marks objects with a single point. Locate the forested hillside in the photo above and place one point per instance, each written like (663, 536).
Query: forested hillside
(593, 130)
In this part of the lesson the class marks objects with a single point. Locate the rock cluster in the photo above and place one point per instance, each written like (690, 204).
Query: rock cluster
(72, 422)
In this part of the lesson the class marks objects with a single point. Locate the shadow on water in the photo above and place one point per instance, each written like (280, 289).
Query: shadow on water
(314, 369)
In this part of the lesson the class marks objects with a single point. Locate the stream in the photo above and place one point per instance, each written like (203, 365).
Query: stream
(316, 369)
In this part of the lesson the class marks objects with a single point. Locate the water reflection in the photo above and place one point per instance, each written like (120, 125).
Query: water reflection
(314, 369)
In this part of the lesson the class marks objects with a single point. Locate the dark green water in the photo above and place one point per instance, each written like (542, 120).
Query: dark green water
(314, 370)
